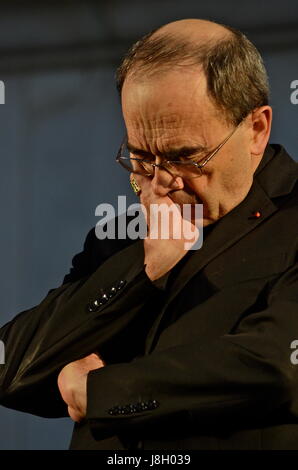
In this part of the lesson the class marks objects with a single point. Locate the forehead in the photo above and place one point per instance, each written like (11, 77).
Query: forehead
(162, 106)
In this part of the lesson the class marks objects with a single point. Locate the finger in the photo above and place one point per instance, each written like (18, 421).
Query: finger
(74, 414)
(98, 358)
(90, 362)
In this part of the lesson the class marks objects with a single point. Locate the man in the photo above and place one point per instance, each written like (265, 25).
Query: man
(158, 347)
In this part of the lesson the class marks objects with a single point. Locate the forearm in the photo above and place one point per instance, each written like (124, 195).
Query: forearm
(61, 329)
(240, 377)
(220, 387)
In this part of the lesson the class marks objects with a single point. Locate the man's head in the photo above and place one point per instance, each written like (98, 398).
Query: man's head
(188, 85)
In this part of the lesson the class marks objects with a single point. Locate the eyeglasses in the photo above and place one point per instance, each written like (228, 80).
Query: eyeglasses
(185, 169)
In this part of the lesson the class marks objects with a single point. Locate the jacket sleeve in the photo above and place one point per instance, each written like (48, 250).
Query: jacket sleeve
(63, 327)
(235, 377)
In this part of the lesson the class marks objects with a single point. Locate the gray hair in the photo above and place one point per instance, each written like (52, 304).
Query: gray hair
(237, 81)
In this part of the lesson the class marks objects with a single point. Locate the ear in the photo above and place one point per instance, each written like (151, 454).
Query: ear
(261, 126)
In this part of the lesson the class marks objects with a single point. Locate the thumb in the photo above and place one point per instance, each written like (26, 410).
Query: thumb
(94, 359)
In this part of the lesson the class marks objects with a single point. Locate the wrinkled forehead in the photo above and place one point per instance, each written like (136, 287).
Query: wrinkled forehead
(174, 102)
(166, 87)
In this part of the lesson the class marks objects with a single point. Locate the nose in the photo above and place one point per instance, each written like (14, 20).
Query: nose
(164, 182)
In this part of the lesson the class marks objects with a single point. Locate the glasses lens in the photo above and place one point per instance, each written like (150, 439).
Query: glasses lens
(136, 166)
(133, 163)
(183, 169)
(144, 167)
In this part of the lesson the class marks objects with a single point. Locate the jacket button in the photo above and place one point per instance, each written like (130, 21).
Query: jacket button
(94, 306)
(112, 292)
(104, 298)
(152, 404)
(132, 408)
(121, 284)
(139, 407)
(115, 410)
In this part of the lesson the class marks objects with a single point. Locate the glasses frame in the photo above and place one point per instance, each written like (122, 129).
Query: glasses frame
(120, 159)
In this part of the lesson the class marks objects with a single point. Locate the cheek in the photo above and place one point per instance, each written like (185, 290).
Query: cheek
(201, 186)
(234, 174)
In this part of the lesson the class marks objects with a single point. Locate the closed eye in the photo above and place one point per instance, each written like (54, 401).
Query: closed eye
(194, 158)
(143, 156)
(182, 154)
(197, 158)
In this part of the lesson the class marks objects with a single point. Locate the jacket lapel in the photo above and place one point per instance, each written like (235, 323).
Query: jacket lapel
(231, 228)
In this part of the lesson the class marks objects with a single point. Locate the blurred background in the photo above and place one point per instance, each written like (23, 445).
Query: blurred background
(61, 126)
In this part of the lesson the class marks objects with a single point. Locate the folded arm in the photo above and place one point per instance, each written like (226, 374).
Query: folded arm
(40, 341)
(236, 376)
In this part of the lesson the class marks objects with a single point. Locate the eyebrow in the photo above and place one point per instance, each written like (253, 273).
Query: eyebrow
(171, 154)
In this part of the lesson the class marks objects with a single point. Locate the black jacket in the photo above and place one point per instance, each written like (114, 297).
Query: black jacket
(204, 364)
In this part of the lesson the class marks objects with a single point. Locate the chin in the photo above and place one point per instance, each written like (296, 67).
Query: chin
(181, 197)
(208, 222)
